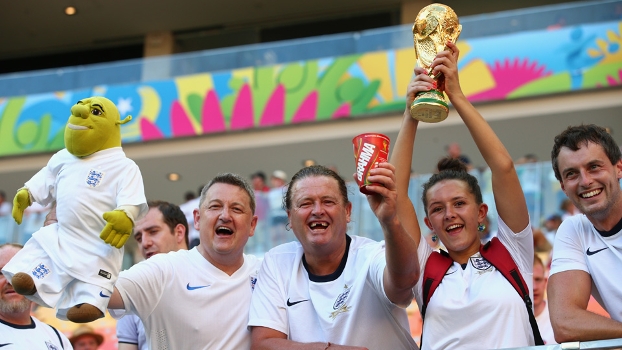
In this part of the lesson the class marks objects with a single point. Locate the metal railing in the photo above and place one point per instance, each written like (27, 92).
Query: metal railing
(594, 344)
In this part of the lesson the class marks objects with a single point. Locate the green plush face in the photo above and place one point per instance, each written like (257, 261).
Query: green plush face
(93, 126)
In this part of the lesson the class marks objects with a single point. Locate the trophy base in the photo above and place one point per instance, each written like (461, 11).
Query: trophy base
(429, 107)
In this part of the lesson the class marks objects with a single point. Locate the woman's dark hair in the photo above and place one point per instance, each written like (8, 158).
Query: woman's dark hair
(452, 169)
(315, 170)
(576, 136)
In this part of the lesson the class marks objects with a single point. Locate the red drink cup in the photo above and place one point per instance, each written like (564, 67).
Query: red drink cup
(369, 150)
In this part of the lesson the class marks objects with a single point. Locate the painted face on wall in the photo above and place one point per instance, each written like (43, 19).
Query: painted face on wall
(93, 126)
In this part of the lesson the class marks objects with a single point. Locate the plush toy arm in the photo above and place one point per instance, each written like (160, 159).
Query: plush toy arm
(20, 203)
(118, 229)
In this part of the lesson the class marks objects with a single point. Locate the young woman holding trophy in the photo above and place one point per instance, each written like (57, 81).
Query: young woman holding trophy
(475, 306)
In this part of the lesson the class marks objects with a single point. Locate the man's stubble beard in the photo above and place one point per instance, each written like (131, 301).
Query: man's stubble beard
(12, 307)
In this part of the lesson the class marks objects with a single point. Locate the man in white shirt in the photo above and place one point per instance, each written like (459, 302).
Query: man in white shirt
(329, 290)
(587, 258)
(164, 229)
(19, 330)
(199, 299)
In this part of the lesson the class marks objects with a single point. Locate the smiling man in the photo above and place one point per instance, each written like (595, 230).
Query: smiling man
(588, 248)
(330, 290)
(19, 330)
(199, 299)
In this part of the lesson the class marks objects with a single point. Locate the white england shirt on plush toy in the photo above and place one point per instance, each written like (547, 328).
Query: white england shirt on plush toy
(72, 265)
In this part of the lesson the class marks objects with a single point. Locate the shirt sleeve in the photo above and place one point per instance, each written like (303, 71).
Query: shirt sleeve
(423, 253)
(519, 244)
(5, 209)
(568, 253)
(268, 307)
(42, 186)
(376, 272)
(132, 192)
(127, 332)
(141, 287)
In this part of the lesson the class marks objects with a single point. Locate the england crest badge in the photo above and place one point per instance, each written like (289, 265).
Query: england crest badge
(253, 282)
(94, 178)
(480, 263)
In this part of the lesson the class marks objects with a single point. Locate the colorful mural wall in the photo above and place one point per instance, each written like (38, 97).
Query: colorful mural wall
(491, 68)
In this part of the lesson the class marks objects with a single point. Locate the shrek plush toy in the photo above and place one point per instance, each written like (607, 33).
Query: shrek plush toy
(72, 265)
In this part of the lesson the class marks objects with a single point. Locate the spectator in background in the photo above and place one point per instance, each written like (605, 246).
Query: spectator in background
(278, 215)
(551, 224)
(486, 234)
(258, 181)
(5, 207)
(188, 209)
(529, 175)
(261, 243)
(189, 196)
(527, 158)
(278, 179)
(164, 229)
(540, 309)
(333, 167)
(85, 338)
(18, 329)
(540, 243)
(568, 209)
(454, 151)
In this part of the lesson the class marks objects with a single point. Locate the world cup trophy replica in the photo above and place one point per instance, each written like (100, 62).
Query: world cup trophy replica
(436, 24)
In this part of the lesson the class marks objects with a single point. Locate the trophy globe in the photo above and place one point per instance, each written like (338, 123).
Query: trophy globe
(435, 25)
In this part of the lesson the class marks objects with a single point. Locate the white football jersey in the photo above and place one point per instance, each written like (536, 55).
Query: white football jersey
(579, 246)
(348, 307)
(187, 303)
(477, 307)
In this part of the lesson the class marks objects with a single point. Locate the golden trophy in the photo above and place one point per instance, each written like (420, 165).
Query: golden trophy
(436, 24)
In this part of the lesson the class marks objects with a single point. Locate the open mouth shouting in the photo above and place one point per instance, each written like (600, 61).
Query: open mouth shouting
(318, 226)
(224, 231)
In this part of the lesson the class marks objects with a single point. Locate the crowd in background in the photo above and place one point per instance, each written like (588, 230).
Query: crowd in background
(272, 218)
